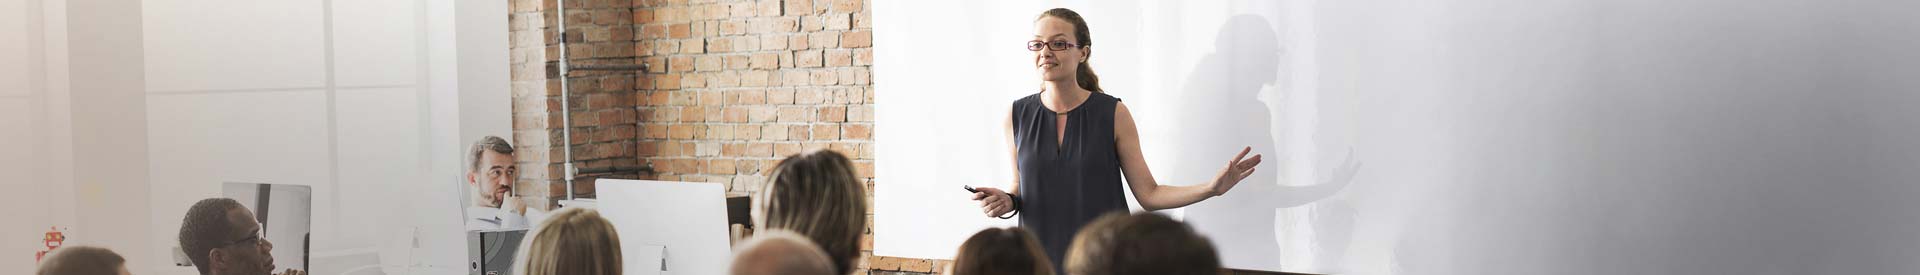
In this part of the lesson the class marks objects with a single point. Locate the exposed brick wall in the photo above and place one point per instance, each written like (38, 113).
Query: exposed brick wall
(601, 103)
(600, 32)
(733, 85)
(536, 106)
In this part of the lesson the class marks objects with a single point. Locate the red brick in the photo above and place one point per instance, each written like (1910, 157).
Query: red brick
(798, 7)
(838, 57)
(798, 42)
(760, 150)
(862, 113)
(857, 131)
(798, 132)
(755, 78)
(826, 131)
(861, 76)
(780, 96)
(768, 7)
(807, 58)
(837, 21)
(832, 114)
(693, 114)
(746, 132)
(824, 77)
(667, 81)
(719, 45)
(741, 10)
(848, 6)
(761, 113)
(682, 30)
(724, 79)
(773, 132)
(642, 16)
(693, 45)
(693, 80)
(793, 77)
(749, 97)
(773, 42)
(720, 166)
(856, 39)
(681, 63)
(863, 57)
(823, 40)
(787, 149)
(656, 131)
(713, 98)
(764, 61)
(794, 114)
(680, 131)
(809, 96)
(735, 114)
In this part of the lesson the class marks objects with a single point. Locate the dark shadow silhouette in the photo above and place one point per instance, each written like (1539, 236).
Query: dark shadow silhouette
(1221, 110)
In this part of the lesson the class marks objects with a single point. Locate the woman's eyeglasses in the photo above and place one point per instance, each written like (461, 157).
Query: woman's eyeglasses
(1036, 45)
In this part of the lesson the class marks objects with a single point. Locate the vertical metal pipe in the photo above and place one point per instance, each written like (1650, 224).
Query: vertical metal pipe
(566, 108)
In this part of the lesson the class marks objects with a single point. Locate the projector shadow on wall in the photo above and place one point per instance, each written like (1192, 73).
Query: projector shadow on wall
(1246, 224)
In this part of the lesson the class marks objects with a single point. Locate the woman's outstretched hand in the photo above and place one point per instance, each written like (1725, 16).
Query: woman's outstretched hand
(993, 202)
(1237, 169)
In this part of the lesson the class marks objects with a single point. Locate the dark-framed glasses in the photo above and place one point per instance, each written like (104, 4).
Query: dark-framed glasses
(1036, 45)
(251, 238)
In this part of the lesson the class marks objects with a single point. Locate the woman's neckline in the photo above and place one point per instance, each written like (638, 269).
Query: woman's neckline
(1086, 96)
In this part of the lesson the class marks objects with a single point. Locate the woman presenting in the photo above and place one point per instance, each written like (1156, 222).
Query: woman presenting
(1072, 143)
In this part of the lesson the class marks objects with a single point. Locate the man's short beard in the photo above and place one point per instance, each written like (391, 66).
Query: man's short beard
(481, 199)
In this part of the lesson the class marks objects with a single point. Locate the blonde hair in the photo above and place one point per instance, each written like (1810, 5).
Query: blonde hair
(574, 241)
(816, 194)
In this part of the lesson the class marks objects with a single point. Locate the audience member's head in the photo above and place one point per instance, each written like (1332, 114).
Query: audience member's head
(1144, 243)
(573, 241)
(490, 171)
(82, 260)
(221, 236)
(817, 194)
(781, 252)
(1001, 251)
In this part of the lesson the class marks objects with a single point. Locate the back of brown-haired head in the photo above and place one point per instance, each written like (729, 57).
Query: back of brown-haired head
(1001, 251)
(817, 194)
(82, 260)
(1144, 243)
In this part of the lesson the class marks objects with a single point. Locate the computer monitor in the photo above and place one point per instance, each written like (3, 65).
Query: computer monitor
(678, 227)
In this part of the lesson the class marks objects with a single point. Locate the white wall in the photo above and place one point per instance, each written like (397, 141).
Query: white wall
(28, 139)
(1487, 137)
(1196, 72)
(345, 96)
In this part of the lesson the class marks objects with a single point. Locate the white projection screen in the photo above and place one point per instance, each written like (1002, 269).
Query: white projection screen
(1451, 137)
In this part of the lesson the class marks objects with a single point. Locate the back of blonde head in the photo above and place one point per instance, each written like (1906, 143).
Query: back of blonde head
(573, 241)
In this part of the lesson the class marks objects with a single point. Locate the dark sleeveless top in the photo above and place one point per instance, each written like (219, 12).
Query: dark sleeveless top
(1064, 184)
